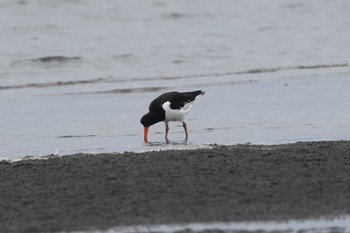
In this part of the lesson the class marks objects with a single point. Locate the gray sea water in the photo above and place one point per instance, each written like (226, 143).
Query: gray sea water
(76, 76)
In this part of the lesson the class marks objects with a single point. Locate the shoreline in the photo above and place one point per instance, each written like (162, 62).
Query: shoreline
(225, 183)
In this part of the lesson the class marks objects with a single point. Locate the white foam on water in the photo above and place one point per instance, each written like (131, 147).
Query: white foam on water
(325, 225)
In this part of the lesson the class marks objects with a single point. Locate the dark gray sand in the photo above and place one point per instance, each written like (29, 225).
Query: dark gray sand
(226, 183)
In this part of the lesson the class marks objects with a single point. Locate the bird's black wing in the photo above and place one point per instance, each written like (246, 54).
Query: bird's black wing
(156, 104)
(179, 99)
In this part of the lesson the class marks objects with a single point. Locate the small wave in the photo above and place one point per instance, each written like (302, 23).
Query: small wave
(170, 143)
(211, 129)
(175, 15)
(130, 135)
(53, 84)
(122, 91)
(174, 145)
(332, 224)
(249, 71)
(274, 69)
(28, 157)
(162, 78)
(123, 56)
(178, 16)
(320, 66)
(168, 78)
(156, 89)
(49, 59)
(77, 136)
(223, 83)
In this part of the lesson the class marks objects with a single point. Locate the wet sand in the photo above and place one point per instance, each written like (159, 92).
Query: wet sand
(226, 183)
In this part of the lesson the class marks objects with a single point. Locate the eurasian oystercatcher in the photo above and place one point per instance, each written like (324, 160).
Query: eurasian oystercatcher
(170, 106)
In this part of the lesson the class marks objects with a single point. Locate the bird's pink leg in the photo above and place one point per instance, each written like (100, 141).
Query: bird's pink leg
(166, 132)
(185, 128)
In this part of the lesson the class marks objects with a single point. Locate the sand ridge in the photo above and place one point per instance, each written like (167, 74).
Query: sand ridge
(225, 183)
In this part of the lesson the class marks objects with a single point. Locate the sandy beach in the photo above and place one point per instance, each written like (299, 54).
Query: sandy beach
(225, 183)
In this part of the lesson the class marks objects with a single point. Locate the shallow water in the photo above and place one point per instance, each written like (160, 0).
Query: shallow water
(340, 224)
(76, 76)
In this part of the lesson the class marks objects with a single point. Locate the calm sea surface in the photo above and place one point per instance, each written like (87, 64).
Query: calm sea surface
(76, 76)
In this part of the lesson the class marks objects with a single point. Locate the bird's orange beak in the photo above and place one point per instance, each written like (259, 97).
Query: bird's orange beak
(145, 134)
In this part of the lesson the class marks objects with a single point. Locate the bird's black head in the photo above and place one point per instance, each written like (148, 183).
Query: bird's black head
(150, 119)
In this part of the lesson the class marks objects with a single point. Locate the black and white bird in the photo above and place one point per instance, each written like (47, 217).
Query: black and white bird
(170, 106)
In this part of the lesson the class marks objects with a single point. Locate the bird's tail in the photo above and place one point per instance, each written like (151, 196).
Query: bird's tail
(200, 92)
(191, 96)
(195, 93)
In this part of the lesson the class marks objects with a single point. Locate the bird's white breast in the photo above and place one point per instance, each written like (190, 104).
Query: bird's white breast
(176, 114)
